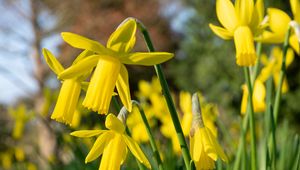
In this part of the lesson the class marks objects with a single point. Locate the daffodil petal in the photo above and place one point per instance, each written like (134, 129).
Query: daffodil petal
(83, 55)
(295, 5)
(80, 67)
(113, 123)
(52, 62)
(99, 146)
(289, 57)
(244, 99)
(218, 148)
(278, 21)
(269, 37)
(258, 15)
(207, 144)
(226, 14)
(197, 148)
(146, 59)
(221, 32)
(123, 39)
(244, 10)
(81, 42)
(294, 42)
(87, 133)
(136, 150)
(123, 88)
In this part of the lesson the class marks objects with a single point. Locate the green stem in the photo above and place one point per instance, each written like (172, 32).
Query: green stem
(282, 75)
(150, 135)
(242, 145)
(252, 119)
(184, 148)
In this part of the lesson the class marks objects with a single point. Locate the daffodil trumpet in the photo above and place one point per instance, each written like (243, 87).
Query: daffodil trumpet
(109, 61)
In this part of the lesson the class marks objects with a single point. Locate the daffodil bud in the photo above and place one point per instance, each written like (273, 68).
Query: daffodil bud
(197, 121)
(123, 115)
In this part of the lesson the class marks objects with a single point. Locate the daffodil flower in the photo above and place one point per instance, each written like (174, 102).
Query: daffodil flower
(112, 144)
(204, 146)
(109, 61)
(70, 90)
(279, 22)
(241, 22)
(272, 67)
(259, 95)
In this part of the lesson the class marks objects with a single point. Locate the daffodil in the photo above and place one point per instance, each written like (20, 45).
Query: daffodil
(272, 67)
(112, 144)
(258, 97)
(241, 22)
(70, 90)
(109, 61)
(20, 116)
(204, 146)
(279, 22)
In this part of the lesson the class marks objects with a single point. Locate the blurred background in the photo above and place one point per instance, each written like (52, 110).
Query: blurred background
(203, 62)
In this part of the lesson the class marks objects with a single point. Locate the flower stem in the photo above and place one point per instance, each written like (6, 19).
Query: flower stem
(150, 135)
(252, 119)
(184, 148)
(282, 75)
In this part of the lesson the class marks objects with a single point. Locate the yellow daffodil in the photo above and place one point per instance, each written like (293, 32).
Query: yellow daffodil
(6, 160)
(21, 116)
(112, 144)
(109, 61)
(70, 90)
(279, 22)
(272, 67)
(258, 97)
(204, 146)
(241, 22)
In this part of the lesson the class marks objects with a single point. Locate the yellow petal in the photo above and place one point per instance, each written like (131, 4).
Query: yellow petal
(87, 133)
(123, 88)
(266, 72)
(113, 123)
(83, 55)
(244, 99)
(289, 57)
(123, 39)
(84, 43)
(114, 154)
(52, 62)
(258, 15)
(67, 101)
(221, 32)
(259, 95)
(102, 84)
(294, 42)
(295, 5)
(270, 37)
(278, 21)
(208, 146)
(136, 150)
(80, 67)
(244, 45)
(244, 10)
(99, 146)
(196, 145)
(226, 14)
(218, 148)
(146, 59)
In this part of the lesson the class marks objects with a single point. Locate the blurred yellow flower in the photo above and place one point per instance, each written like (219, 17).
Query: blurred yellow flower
(20, 116)
(279, 22)
(241, 22)
(70, 90)
(19, 154)
(109, 61)
(204, 146)
(112, 144)
(258, 97)
(272, 66)
(6, 159)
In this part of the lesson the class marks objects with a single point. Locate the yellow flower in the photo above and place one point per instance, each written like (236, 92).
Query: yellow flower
(241, 22)
(279, 22)
(258, 97)
(70, 90)
(6, 159)
(109, 62)
(112, 144)
(272, 67)
(204, 146)
(20, 116)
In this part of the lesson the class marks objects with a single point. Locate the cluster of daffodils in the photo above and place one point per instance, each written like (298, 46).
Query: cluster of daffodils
(104, 67)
